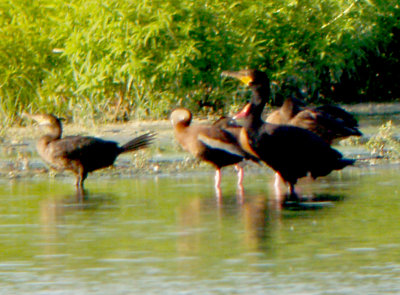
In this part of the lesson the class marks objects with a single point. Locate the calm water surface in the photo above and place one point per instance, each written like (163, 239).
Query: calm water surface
(169, 235)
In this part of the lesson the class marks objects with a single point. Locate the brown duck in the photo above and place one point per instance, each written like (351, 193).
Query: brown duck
(330, 122)
(215, 144)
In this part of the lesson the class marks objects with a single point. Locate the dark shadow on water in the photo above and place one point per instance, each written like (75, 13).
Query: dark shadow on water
(313, 202)
(303, 202)
(265, 218)
(62, 215)
(55, 207)
(86, 200)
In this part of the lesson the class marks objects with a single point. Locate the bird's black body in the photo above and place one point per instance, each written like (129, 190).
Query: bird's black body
(291, 151)
(294, 152)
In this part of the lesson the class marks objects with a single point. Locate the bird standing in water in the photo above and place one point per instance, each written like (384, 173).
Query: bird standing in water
(291, 151)
(330, 122)
(210, 143)
(80, 154)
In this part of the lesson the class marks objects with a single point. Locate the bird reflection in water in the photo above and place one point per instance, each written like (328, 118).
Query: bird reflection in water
(54, 211)
(265, 219)
(262, 218)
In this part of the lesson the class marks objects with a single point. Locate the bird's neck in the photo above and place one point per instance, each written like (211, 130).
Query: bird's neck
(42, 144)
(260, 96)
(54, 133)
(290, 108)
(258, 100)
(181, 127)
(253, 121)
(181, 132)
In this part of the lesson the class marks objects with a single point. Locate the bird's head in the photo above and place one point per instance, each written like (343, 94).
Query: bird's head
(249, 77)
(43, 119)
(181, 116)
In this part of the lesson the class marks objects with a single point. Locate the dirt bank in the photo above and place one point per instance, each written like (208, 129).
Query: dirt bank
(19, 158)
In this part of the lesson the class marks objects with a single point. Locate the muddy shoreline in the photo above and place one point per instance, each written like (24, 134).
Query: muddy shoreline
(19, 158)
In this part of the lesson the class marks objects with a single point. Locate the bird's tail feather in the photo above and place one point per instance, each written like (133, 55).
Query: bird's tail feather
(336, 165)
(139, 142)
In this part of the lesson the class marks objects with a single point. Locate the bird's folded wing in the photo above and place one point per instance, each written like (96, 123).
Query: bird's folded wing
(215, 143)
(77, 146)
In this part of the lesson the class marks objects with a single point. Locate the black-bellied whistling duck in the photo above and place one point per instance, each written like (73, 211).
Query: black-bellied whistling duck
(328, 121)
(231, 126)
(291, 151)
(210, 143)
(80, 154)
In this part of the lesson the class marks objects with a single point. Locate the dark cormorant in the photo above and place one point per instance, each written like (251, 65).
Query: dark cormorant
(80, 154)
(291, 151)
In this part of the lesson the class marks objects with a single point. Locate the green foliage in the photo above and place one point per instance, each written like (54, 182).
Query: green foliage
(384, 144)
(109, 59)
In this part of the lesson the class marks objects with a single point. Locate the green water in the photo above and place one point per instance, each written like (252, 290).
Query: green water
(169, 235)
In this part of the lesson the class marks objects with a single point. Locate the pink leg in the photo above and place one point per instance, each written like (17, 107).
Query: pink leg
(218, 184)
(240, 174)
(277, 185)
(277, 182)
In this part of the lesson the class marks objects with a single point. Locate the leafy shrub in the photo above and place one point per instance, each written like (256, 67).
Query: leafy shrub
(118, 59)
